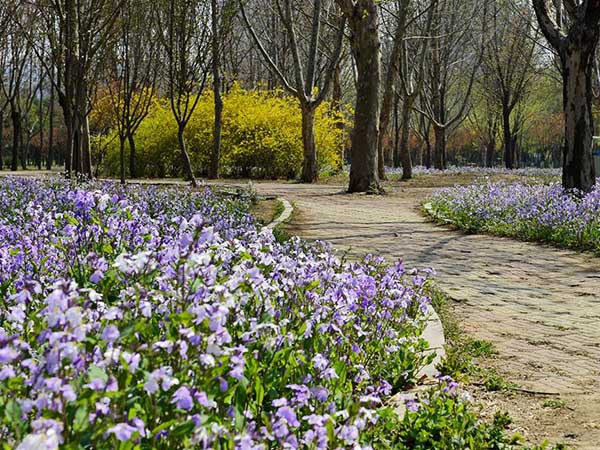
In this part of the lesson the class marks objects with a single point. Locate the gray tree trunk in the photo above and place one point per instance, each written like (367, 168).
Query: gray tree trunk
(133, 173)
(578, 161)
(185, 157)
(309, 166)
(122, 158)
(216, 72)
(404, 141)
(366, 46)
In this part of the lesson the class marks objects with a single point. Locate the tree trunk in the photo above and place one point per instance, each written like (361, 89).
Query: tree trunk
(17, 133)
(490, 150)
(428, 161)
(185, 158)
(507, 133)
(86, 155)
(122, 158)
(216, 72)
(578, 162)
(309, 166)
(404, 141)
(396, 158)
(440, 148)
(366, 47)
(133, 173)
(50, 156)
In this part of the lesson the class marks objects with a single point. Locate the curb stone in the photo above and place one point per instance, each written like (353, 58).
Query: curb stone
(288, 209)
(434, 335)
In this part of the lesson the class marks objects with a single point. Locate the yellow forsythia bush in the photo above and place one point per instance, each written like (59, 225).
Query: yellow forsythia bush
(261, 137)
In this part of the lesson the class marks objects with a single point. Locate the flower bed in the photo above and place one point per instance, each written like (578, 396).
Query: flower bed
(526, 211)
(164, 318)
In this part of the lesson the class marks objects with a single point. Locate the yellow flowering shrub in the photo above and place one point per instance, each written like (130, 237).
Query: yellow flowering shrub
(261, 137)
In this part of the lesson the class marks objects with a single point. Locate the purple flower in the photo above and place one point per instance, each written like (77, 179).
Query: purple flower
(7, 355)
(111, 333)
(289, 415)
(122, 431)
(183, 399)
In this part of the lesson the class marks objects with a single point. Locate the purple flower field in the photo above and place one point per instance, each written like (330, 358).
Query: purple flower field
(527, 211)
(165, 318)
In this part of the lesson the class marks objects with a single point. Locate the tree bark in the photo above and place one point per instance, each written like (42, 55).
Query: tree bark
(578, 161)
(86, 155)
(50, 155)
(507, 133)
(132, 156)
(185, 157)
(404, 141)
(216, 72)
(309, 166)
(490, 150)
(122, 158)
(440, 147)
(366, 47)
(576, 47)
(17, 141)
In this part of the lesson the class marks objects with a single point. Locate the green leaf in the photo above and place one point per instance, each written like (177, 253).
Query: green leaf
(81, 419)
(96, 373)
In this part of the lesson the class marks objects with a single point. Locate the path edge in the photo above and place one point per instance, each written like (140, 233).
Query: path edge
(285, 215)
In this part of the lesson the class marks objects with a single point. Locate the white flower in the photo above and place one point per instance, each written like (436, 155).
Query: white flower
(44, 441)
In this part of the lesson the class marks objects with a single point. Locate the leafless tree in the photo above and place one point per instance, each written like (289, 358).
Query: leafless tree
(132, 66)
(185, 36)
(314, 62)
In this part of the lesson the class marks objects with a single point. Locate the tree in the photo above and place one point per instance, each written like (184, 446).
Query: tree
(222, 14)
(184, 34)
(15, 57)
(508, 65)
(412, 77)
(574, 36)
(132, 67)
(390, 80)
(312, 77)
(78, 31)
(363, 22)
(455, 53)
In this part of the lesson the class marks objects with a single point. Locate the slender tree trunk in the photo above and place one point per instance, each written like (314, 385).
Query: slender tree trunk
(86, 155)
(185, 157)
(507, 133)
(490, 150)
(309, 167)
(216, 72)
(428, 152)
(396, 158)
(122, 158)
(404, 141)
(17, 133)
(38, 159)
(366, 46)
(578, 162)
(49, 161)
(132, 156)
(440, 147)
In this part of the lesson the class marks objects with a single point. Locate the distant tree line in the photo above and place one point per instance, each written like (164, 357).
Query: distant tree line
(423, 78)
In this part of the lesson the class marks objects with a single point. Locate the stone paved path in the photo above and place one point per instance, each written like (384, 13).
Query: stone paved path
(539, 306)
